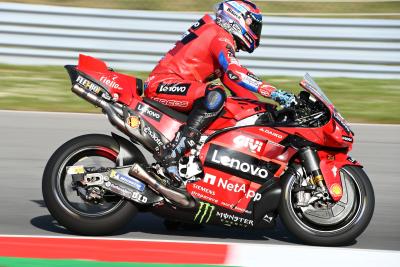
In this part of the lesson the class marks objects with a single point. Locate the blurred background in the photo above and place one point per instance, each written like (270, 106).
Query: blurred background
(351, 47)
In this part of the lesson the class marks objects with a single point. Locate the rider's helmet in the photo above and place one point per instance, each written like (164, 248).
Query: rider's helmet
(243, 20)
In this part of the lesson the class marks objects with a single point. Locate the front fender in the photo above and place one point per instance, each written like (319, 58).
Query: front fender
(330, 164)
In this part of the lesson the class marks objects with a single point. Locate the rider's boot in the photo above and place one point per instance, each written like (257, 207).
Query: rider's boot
(204, 111)
(187, 137)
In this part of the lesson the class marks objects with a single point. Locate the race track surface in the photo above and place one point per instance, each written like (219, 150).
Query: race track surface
(27, 140)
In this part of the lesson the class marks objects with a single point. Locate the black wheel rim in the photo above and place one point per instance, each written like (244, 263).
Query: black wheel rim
(87, 156)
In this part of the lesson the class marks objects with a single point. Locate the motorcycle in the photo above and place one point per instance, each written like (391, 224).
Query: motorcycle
(255, 162)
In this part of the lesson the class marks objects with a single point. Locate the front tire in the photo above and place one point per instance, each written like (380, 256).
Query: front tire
(334, 232)
(78, 215)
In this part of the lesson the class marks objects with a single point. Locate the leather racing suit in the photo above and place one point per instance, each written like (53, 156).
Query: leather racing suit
(181, 81)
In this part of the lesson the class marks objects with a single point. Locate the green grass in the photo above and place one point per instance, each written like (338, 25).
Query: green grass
(22, 262)
(295, 6)
(48, 89)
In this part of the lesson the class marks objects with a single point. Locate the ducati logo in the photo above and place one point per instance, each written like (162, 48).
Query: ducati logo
(204, 213)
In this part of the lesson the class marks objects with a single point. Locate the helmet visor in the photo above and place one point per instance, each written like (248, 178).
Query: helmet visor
(256, 27)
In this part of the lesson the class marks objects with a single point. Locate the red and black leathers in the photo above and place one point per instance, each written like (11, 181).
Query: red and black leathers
(205, 53)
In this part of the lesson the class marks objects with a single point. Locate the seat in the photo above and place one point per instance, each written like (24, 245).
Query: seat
(166, 110)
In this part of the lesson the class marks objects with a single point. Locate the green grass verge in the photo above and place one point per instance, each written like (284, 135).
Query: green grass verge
(20, 262)
(48, 89)
(295, 6)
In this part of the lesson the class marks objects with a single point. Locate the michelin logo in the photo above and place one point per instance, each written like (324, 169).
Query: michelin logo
(128, 180)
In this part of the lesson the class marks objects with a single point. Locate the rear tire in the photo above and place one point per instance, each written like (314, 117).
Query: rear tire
(345, 232)
(103, 223)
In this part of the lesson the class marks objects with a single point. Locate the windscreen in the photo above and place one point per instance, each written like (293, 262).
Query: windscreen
(311, 86)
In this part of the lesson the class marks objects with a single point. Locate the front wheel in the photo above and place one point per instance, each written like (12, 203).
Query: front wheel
(64, 199)
(330, 224)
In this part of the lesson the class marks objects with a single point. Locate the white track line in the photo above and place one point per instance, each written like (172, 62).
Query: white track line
(261, 255)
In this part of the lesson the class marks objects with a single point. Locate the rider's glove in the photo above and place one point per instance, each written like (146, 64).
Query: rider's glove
(285, 99)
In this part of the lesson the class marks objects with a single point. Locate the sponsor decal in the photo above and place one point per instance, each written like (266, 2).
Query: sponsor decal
(203, 189)
(249, 80)
(204, 197)
(119, 190)
(336, 190)
(231, 219)
(347, 139)
(232, 76)
(72, 170)
(139, 197)
(88, 85)
(128, 180)
(253, 76)
(234, 207)
(253, 145)
(239, 164)
(232, 187)
(234, 13)
(350, 159)
(204, 213)
(267, 131)
(148, 112)
(198, 24)
(172, 103)
(133, 121)
(173, 88)
(341, 121)
(153, 135)
(248, 38)
(111, 82)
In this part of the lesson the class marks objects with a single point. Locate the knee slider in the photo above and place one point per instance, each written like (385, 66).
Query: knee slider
(215, 98)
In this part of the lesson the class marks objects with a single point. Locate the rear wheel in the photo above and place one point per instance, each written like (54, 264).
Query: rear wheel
(65, 202)
(330, 224)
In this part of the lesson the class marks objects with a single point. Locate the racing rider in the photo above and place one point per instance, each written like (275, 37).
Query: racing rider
(207, 52)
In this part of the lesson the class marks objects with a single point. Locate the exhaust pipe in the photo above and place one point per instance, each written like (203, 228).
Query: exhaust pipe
(113, 112)
(172, 195)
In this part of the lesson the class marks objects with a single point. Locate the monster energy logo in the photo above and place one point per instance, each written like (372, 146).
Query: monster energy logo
(204, 209)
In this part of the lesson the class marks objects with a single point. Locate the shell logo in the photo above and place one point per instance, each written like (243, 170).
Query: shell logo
(336, 190)
(133, 121)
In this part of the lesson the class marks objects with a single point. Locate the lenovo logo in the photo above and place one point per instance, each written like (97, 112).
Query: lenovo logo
(173, 88)
(149, 112)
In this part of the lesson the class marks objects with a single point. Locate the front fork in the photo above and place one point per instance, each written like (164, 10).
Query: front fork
(310, 161)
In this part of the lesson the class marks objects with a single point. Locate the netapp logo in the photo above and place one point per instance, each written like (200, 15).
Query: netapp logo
(173, 88)
(149, 112)
(232, 187)
(236, 163)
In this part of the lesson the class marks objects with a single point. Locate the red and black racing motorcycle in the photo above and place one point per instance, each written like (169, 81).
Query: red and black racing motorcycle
(253, 163)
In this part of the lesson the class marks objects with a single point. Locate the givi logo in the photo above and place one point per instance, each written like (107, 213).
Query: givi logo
(253, 145)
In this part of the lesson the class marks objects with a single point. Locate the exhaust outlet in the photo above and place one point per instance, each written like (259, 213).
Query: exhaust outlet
(112, 111)
(172, 195)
